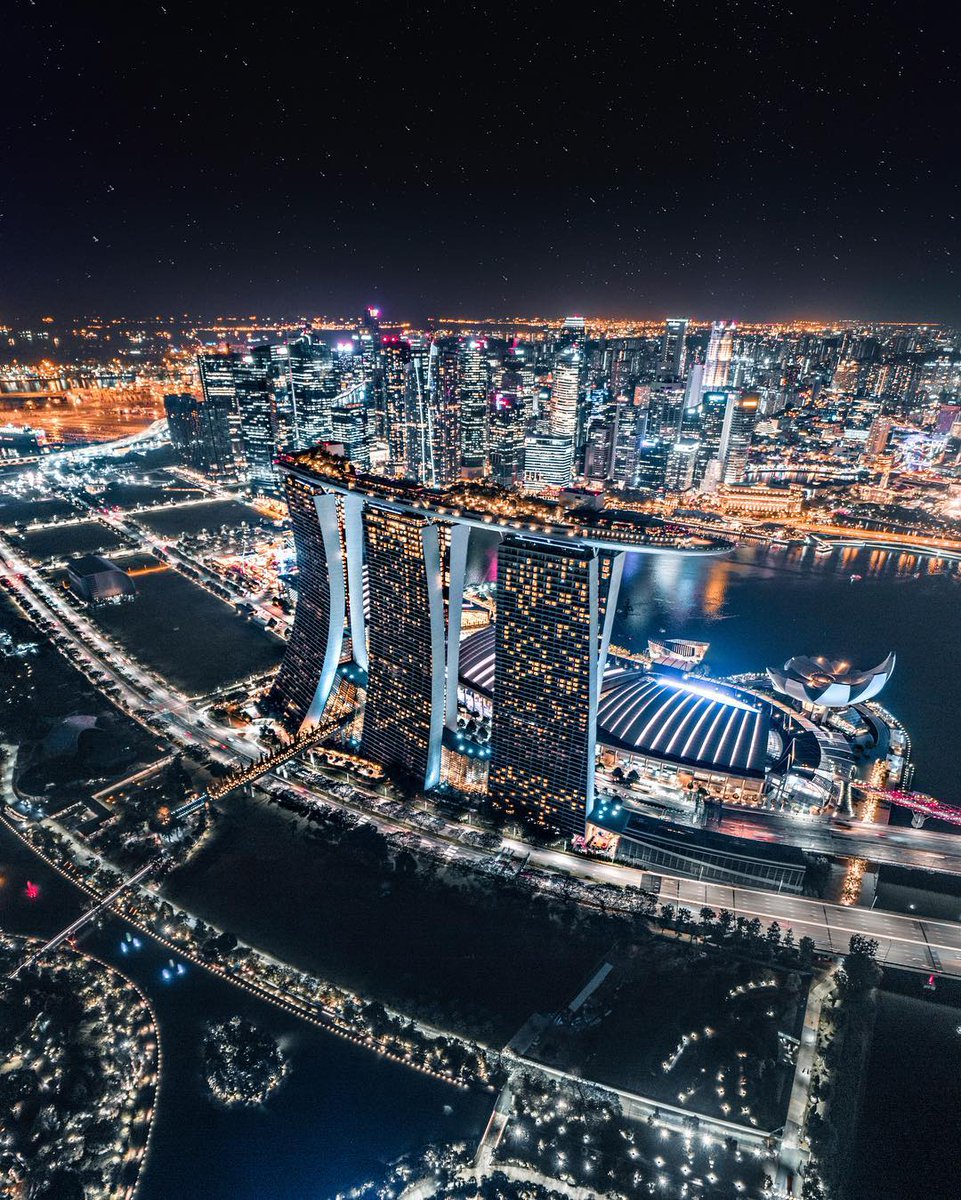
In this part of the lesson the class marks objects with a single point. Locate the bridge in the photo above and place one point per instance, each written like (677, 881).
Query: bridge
(920, 804)
(84, 919)
(262, 766)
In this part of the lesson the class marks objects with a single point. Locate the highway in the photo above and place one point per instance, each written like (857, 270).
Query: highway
(897, 844)
(925, 945)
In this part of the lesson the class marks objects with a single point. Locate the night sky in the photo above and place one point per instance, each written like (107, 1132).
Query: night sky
(711, 159)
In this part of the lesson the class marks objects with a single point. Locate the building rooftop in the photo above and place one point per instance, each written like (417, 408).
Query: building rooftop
(91, 564)
(686, 721)
(480, 502)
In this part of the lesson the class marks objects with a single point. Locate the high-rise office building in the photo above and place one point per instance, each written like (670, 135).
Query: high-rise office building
(507, 428)
(394, 384)
(630, 426)
(679, 471)
(349, 426)
(221, 417)
(548, 461)
(184, 428)
(266, 405)
(420, 434)
(673, 349)
(717, 360)
(474, 393)
(710, 425)
(443, 385)
(565, 410)
(652, 456)
(665, 411)
(740, 418)
(315, 382)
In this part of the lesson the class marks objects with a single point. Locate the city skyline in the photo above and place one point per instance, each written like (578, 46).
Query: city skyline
(480, 560)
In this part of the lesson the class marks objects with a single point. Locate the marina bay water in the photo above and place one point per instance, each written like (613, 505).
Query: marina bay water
(758, 606)
(340, 1116)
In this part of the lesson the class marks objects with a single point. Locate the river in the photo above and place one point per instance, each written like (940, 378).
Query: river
(337, 1119)
(759, 606)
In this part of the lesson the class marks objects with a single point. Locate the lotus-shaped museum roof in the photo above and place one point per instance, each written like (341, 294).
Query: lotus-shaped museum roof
(833, 684)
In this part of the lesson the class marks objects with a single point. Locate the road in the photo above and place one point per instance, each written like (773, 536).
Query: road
(898, 844)
(925, 945)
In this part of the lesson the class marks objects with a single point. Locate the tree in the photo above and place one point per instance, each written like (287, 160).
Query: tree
(860, 971)
(806, 950)
(773, 936)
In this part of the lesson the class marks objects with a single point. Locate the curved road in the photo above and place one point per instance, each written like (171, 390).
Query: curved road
(926, 945)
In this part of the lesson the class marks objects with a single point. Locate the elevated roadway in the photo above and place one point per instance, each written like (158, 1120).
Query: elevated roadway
(923, 945)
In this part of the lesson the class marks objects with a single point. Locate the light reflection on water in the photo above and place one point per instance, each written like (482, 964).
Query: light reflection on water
(760, 605)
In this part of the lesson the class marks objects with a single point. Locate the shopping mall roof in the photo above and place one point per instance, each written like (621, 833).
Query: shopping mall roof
(687, 721)
(684, 721)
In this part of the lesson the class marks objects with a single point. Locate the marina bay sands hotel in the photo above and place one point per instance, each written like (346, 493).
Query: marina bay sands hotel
(382, 567)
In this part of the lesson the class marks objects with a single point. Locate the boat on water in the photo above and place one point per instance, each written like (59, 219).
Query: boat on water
(856, 578)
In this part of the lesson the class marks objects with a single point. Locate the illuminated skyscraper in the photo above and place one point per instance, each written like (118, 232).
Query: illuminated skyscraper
(474, 392)
(673, 351)
(411, 657)
(548, 461)
(306, 675)
(507, 440)
(395, 363)
(183, 425)
(552, 639)
(566, 398)
(679, 471)
(260, 425)
(444, 372)
(740, 417)
(315, 383)
(717, 360)
(349, 426)
(420, 439)
(556, 598)
(710, 418)
(225, 450)
(630, 426)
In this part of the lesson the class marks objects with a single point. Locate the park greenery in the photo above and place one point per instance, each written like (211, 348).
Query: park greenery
(242, 1064)
(844, 1041)
(76, 1049)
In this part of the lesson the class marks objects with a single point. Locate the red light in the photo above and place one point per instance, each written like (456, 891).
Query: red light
(32, 891)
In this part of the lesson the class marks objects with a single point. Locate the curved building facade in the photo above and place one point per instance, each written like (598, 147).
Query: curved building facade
(830, 684)
(558, 576)
(666, 728)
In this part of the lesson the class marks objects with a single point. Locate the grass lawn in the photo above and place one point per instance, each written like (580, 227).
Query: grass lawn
(190, 637)
(14, 508)
(70, 541)
(665, 991)
(192, 518)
